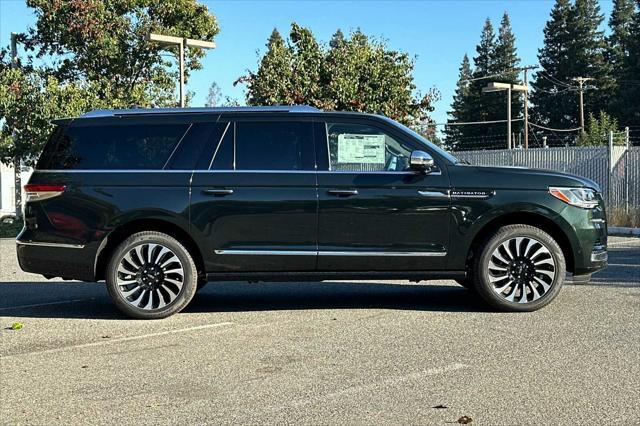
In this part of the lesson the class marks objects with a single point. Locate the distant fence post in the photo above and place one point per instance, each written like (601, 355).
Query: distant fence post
(610, 167)
(626, 170)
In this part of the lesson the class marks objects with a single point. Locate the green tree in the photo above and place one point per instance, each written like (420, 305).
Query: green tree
(354, 73)
(574, 46)
(459, 106)
(271, 84)
(105, 42)
(624, 45)
(496, 59)
(598, 129)
(214, 97)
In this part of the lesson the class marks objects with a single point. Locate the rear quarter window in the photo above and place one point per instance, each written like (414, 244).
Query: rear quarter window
(112, 147)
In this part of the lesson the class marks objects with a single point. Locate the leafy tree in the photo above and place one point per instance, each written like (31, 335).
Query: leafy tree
(272, 83)
(105, 42)
(214, 97)
(354, 73)
(598, 129)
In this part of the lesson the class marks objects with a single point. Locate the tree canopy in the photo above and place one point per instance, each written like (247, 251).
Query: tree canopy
(353, 73)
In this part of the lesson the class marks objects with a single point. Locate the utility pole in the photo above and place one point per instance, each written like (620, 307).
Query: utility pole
(17, 166)
(581, 81)
(526, 104)
(182, 44)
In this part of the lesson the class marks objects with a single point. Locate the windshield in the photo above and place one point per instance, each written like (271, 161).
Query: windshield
(425, 141)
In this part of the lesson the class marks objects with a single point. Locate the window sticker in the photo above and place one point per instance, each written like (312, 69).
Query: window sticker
(364, 149)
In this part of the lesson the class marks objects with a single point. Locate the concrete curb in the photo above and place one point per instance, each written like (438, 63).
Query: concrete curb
(618, 231)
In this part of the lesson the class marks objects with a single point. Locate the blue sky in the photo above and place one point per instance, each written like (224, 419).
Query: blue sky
(438, 33)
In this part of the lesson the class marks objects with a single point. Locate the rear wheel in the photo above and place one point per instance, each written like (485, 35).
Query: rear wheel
(520, 268)
(151, 276)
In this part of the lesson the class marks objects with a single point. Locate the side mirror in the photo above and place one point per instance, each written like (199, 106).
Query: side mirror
(422, 162)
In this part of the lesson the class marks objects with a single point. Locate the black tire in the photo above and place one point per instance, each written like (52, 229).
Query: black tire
(552, 259)
(181, 297)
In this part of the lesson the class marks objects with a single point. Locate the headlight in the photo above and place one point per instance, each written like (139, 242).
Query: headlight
(579, 197)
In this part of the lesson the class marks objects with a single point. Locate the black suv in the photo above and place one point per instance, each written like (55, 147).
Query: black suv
(158, 202)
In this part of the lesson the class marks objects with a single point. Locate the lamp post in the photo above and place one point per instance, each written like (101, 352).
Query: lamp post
(497, 87)
(182, 44)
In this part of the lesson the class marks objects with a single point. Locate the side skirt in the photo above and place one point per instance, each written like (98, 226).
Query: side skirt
(325, 276)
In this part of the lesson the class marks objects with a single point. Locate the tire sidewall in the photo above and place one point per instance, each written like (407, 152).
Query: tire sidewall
(190, 275)
(485, 288)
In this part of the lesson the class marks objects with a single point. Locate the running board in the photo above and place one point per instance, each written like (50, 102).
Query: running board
(343, 275)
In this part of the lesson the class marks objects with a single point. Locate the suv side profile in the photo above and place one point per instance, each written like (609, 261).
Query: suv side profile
(158, 202)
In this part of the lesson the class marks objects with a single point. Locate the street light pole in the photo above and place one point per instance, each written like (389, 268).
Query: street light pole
(497, 87)
(182, 44)
(17, 166)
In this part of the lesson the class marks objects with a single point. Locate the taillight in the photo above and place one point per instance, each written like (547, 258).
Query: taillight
(39, 191)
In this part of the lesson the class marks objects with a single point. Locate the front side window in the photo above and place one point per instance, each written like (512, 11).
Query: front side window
(276, 145)
(364, 148)
(116, 147)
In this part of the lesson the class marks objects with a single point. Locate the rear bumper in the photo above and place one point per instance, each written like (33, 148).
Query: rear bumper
(50, 259)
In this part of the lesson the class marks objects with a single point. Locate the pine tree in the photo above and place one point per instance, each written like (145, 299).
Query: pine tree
(506, 61)
(478, 104)
(271, 84)
(459, 106)
(624, 55)
(555, 101)
(587, 53)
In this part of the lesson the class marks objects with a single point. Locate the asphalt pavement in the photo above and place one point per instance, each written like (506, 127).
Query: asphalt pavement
(360, 352)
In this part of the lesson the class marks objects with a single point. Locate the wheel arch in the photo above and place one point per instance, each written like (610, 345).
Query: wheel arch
(525, 218)
(122, 232)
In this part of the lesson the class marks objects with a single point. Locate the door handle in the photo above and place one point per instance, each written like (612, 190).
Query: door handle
(217, 192)
(343, 192)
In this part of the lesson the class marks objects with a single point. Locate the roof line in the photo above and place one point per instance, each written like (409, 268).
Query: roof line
(198, 110)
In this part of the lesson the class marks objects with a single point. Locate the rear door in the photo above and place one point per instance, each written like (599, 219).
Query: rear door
(374, 213)
(254, 206)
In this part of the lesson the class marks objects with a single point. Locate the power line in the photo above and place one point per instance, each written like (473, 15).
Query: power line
(554, 130)
(476, 122)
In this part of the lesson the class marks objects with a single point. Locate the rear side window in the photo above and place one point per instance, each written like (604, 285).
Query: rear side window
(276, 145)
(114, 147)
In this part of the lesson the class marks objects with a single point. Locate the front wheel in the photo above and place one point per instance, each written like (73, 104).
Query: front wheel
(520, 268)
(151, 275)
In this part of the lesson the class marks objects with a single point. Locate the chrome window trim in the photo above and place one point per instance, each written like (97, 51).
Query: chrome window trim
(330, 253)
(219, 145)
(43, 244)
(176, 147)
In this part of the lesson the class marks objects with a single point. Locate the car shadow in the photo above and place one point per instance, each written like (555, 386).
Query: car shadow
(91, 301)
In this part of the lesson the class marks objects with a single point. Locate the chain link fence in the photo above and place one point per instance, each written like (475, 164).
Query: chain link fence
(616, 168)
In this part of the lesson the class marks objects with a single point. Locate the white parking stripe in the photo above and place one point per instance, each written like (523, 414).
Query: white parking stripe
(35, 305)
(122, 339)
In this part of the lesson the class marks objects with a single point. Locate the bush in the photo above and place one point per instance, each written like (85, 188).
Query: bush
(619, 216)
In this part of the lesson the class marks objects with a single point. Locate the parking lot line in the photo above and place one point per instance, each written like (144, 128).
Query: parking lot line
(121, 339)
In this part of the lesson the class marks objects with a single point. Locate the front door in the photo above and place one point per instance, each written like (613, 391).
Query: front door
(374, 213)
(256, 205)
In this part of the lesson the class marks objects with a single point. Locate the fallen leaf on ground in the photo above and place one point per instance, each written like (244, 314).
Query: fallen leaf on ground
(16, 326)
(465, 420)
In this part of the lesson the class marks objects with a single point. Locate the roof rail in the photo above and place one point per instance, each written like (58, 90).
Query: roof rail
(202, 110)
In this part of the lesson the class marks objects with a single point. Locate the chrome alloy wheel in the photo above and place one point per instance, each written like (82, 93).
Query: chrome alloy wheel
(521, 270)
(150, 276)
